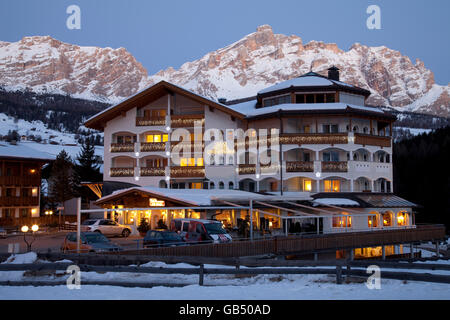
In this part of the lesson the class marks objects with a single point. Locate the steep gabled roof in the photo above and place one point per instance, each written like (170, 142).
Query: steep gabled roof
(152, 93)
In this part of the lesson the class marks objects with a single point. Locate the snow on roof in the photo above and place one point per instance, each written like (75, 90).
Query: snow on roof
(248, 107)
(204, 197)
(22, 151)
(299, 82)
(336, 202)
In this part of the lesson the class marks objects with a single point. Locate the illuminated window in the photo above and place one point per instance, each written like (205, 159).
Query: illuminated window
(34, 192)
(332, 185)
(402, 218)
(372, 221)
(183, 162)
(191, 162)
(196, 185)
(342, 221)
(307, 185)
(149, 138)
(157, 138)
(165, 137)
(200, 162)
(387, 219)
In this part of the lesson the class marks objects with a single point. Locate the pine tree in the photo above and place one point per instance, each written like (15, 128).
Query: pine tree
(61, 182)
(87, 168)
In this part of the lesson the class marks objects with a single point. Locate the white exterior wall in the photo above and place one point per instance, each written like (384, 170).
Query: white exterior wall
(351, 98)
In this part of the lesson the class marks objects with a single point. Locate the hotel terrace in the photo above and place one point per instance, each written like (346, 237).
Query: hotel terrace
(335, 154)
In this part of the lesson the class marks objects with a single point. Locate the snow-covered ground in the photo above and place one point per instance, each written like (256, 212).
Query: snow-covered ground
(217, 287)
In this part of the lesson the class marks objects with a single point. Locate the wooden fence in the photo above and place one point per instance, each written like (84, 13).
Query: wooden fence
(302, 244)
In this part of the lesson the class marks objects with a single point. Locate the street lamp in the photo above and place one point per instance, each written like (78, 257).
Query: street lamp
(25, 229)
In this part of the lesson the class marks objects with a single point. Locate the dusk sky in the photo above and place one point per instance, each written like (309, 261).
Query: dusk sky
(168, 33)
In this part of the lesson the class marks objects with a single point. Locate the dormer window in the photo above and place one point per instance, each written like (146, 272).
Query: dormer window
(277, 100)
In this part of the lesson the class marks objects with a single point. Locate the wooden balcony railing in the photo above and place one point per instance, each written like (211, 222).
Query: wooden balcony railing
(334, 166)
(181, 121)
(149, 122)
(152, 147)
(20, 181)
(122, 147)
(19, 201)
(152, 172)
(371, 140)
(299, 166)
(247, 169)
(189, 172)
(314, 138)
(121, 172)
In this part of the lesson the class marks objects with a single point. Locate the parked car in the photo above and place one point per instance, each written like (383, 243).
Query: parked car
(200, 230)
(181, 226)
(162, 238)
(2, 233)
(105, 226)
(90, 242)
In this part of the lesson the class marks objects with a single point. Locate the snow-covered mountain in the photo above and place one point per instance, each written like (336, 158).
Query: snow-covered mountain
(260, 59)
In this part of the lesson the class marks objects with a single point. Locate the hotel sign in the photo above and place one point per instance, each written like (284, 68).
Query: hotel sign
(156, 203)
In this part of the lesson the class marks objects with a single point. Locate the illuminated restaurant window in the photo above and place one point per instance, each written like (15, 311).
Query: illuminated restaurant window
(307, 185)
(155, 138)
(402, 218)
(387, 219)
(200, 162)
(332, 185)
(342, 221)
(372, 221)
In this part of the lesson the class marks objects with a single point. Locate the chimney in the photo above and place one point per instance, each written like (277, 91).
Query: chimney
(333, 73)
(222, 100)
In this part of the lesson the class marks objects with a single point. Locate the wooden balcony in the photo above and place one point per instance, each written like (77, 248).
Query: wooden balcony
(314, 138)
(334, 166)
(122, 147)
(247, 169)
(18, 201)
(150, 122)
(299, 166)
(153, 146)
(187, 172)
(370, 140)
(182, 121)
(152, 172)
(34, 180)
(121, 172)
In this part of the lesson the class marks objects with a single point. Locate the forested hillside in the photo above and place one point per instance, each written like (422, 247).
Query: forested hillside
(422, 174)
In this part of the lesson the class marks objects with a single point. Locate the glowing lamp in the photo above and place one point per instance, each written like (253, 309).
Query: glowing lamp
(35, 228)
(24, 229)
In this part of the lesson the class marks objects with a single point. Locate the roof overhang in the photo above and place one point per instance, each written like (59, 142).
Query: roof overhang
(152, 93)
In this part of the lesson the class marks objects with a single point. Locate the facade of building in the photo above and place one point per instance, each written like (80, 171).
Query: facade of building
(20, 184)
(307, 153)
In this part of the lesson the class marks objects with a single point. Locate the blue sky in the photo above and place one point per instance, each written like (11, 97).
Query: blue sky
(168, 33)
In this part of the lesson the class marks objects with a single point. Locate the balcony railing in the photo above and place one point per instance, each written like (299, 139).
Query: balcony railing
(247, 169)
(20, 181)
(149, 122)
(189, 172)
(314, 138)
(152, 146)
(122, 147)
(187, 145)
(299, 166)
(19, 201)
(121, 172)
(152, 172)
(181, 121)
(366, 139)
(334, 166)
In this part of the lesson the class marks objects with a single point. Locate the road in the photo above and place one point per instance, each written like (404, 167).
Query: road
(53, 241)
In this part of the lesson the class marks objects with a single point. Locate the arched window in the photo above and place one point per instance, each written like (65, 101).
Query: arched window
(221, 185)
(230, 185)
(211, 185)
(387, 219)
(355, 129)
(365, 130)
(402, 218)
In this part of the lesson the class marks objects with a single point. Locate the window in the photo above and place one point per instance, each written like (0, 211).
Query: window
(155, 138)
(276, 101)
(307, 185)
(309, 98)
(372, 221)
(195, 185)
(306, 157)
(342, 221)
(320, 98)
(387, 219)
(330, 98)
(332, 185)
(300, 98)
(10, 192)
(230, 185)
(221, 185)
(330, 156)
(330, 128)
(402, 218)
(307, 129)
